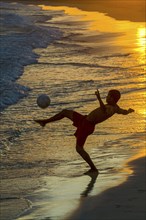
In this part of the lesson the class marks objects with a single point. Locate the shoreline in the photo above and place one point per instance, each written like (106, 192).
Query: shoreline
(119, 10)
(102, 198)
(126, 201)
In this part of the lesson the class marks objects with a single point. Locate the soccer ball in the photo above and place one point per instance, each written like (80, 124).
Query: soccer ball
(43, 101)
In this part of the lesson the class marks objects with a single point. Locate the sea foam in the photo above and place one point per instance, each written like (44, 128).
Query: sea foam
(22, 31)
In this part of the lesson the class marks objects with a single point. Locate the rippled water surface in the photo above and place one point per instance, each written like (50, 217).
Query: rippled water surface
(67, 54)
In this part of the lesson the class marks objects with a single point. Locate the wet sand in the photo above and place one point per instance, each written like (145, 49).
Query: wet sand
(30, 197)
(120, 10)
(124, 202)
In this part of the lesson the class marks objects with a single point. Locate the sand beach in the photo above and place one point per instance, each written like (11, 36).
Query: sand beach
(126, 201)
(68, 49)
(120, 10)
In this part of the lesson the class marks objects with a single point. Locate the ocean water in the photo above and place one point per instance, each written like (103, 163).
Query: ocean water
(66, 53)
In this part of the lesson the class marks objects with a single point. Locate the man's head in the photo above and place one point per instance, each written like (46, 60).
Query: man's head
(113, 96)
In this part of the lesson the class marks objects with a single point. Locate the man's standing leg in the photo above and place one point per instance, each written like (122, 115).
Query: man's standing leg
(85, 155)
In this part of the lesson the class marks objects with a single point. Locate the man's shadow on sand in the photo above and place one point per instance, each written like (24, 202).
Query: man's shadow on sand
(90, 185)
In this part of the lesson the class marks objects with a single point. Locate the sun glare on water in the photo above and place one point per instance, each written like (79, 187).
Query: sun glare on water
(141, 43)
(131, 33)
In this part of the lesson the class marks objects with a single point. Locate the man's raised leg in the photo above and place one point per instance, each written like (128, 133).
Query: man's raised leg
(64, 113)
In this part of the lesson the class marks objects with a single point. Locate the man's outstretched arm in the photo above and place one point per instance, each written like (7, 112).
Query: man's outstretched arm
(102, 105)
(124, 111)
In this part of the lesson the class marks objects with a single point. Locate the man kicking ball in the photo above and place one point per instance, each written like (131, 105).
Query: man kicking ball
(86, 123)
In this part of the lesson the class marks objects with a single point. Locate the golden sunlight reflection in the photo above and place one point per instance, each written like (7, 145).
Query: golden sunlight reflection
(129, 34)
(128, 169)
(142, 111)
(142, 107)
(141, 153)
(141, 43)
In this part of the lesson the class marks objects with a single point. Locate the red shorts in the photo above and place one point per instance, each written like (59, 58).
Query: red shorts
(84, 128)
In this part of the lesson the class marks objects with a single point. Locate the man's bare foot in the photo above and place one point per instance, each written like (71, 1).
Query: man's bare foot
(91, 171)
(41, 122)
